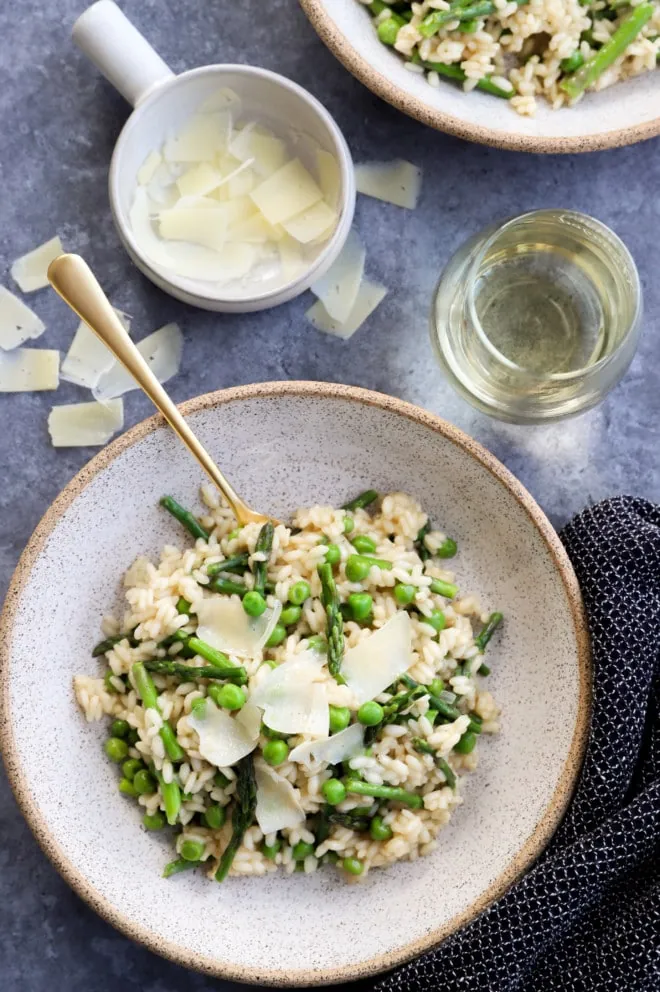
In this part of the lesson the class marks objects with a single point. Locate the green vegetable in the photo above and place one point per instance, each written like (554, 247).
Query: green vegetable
(154, 821)
(352, 866)
(263, 546)
(488, 86)
(334, 791)
(420, 543)
(447, 549)
(317, 643)
(171, 794)
(340, 717)
(572, 62)
(359, 566)
(302, 850)
(184, 517)
(224, 670)
(467, 743)
(273, 735)
(493, 622)
(227, 587)
(370, 495)
(360, 605)
(468, 27)
(229, 697)
(440, 702)
(183, 606)
(332, 554)
(290, 615)
(131, 767)
(119, 728)
(392, 710)
(270, 850)
(144, 783)
(174, 867)
(437, 620)
(108, 644)
(277, 636)
(147, 692)
(483, 669)
(242, 815)
(404, 594)
(384, 792)
(116, 749)
(379, 830)
(364, 544)
(299, 592)
(628, 29)
(254, 603)
(214, 817)
(370, 713)
(436, 686)
(127, 788)
(212, 655)
(220, 780)
(446, 589)
(238, 563)
(275, 752)
(388, 30)
(349, 524)
(425, 748)
(334, 621)
(108, 684)
(191, 850)
(436, 19)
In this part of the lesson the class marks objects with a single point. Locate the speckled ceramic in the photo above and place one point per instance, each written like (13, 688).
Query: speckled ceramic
(620, 115)
(285, 444)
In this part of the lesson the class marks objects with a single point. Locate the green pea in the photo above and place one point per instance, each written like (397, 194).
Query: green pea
(191, 850)
(132, 737)
(198, 706)
(230, 697)
(130, 768)
(467, 743)
(379, 830)
(290, 615)
(404, 594)
(299, 592)
(333, 554)
(183, 605)
(357, 568)
(370, 713)
(363, 544)
(275, 752)
(116, 749)
(360, 604)
(334, 791)
(349, 524)
(324, 539)
(448, 548)
(340, 717)
(254, 603)
(270, 850)
(353, 866)
(387, 31)
(220, 780)
(317, 643)
(278, 635)
(437, 620)
(483, 669)
(144, 783)
(119, 728)
(436, 687)
(302, 850)
(273, 735)
(154, 821)
(214, 817)
(127, 788)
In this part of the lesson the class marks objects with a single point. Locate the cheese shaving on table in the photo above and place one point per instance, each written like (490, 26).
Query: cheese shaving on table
(85, 424)
(26, 370)
(339, 747)
(17, 322)
(373, 664)
(370, 294)
(88, 358)
(162, 351)
(223, 740)
(278, 803)
(338, 289)
(30, 271)
(292, 697)
(224, 624)
(397, 182)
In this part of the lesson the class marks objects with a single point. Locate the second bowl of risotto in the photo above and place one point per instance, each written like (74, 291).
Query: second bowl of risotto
(273, 733)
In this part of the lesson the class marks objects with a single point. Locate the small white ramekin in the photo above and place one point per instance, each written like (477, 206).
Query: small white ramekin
(163, 101)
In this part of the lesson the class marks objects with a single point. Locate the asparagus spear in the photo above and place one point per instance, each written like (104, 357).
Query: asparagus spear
(171, 794)
(335, 623)
(359, 503)
(183, 605)
(420, 545)
(264, 545)
(361, 788)
(103, 646)
(226, 586)
(185, 517)
(174, 867)
(455, 72)
(494, 620)
(594, 67)
(242, 816)
(436, 19)
(232, 673)
(392, 710)
(238, 564)
(445, 709)
(425, 748)
(149, 696)
(350, 820)
(446, 589)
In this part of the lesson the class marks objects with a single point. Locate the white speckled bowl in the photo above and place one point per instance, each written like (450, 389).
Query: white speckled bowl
(284, 444)
(621, 115)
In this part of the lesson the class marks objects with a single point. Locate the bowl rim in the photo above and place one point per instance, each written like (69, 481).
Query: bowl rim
(517, 866)
(357, 65)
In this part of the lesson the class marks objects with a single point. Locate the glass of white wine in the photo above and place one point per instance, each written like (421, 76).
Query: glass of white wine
(537, 317)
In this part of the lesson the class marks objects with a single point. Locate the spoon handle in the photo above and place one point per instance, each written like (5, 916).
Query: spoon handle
(72, 278)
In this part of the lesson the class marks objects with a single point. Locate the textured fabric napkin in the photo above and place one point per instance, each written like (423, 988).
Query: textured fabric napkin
(587, 916)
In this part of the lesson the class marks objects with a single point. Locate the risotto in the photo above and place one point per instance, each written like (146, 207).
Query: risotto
(291, 696)
(522, 49)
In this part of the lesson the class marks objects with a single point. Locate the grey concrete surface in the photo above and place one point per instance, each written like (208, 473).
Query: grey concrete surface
(59, 121)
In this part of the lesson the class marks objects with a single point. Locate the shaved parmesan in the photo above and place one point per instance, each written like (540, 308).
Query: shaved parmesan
(338, 288)
(198, 180)
(88, 358)
(291, 258)
(197, 262)
(327, 168)
(85, 424)
(266, 151)
(147, 170)
(224, 624)
(286, 193)
(17, 322)
(146, 237)
(397, 182)
(222, 99)
(293, 699)
(370, 294)
(278, 803)
(222, 739)
(241, 182)
(339, 747)
(162, 351)
(30, 270)
(250, 716)
(311, 223)
(26, 370)
(379, 659)
(200, 141)
(206, 227)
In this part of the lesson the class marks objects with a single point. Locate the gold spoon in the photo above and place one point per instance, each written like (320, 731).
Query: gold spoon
(72, 278)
